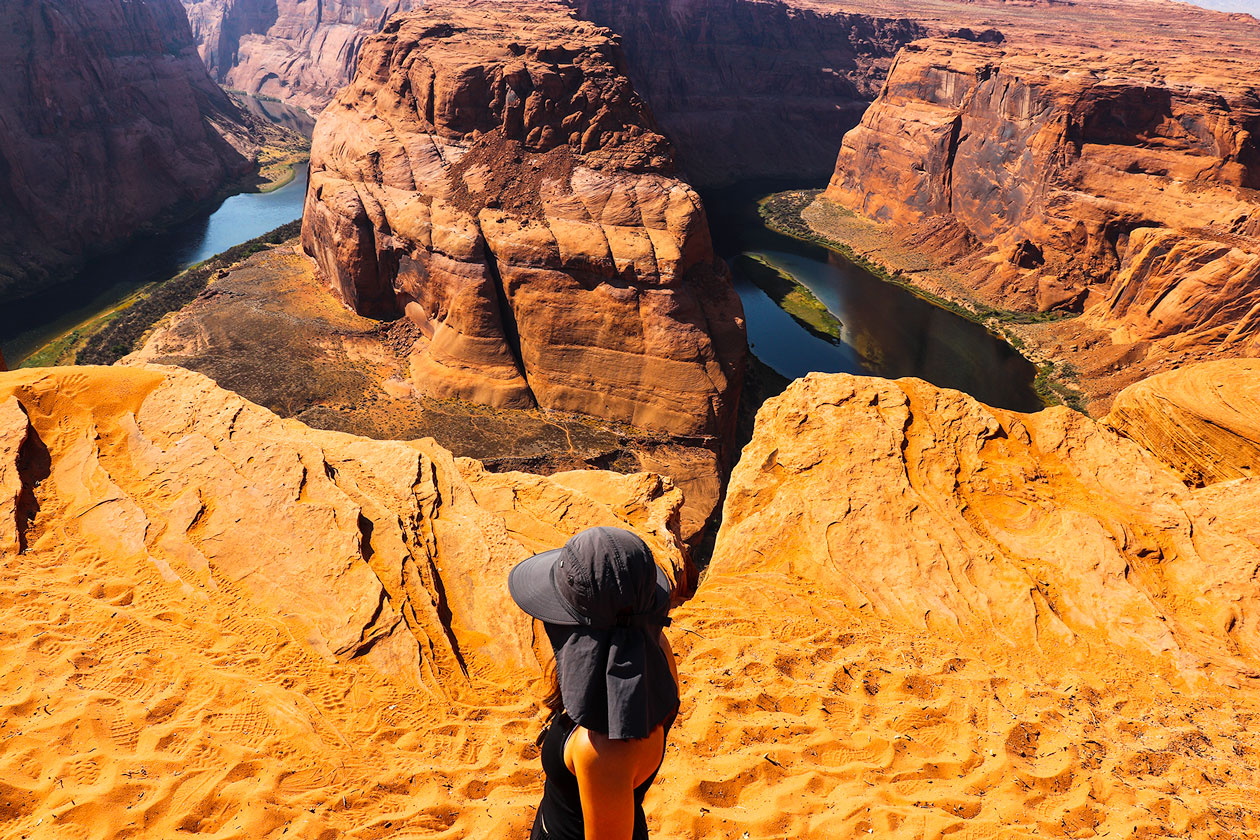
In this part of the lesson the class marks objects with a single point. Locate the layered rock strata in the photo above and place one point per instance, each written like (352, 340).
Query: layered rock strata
(493, 174)
(108, 121)
(1203, 420)
(1064, 182)
(301, 51)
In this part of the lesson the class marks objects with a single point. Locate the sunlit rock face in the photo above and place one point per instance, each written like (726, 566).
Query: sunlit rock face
(493, 174)
(108, 123)
(1089, 186)
(394, 552)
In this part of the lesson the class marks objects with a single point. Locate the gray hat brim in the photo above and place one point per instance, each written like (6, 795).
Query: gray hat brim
(531, 583)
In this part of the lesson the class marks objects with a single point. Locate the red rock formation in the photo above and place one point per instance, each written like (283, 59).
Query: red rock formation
(1124, 191)
(107, 121)
(1054, 163)
(302, 51)
(493, 173)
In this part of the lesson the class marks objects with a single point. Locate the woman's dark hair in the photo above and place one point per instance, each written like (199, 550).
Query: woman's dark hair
(554, 701)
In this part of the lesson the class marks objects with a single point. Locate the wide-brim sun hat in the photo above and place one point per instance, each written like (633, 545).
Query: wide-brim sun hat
(604, 601)
(559, 586)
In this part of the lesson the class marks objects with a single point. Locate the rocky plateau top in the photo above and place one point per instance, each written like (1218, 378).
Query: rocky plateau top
(924, 616)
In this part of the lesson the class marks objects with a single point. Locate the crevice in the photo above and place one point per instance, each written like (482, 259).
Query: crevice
(955, 133)
(443, 609)
(366, 527)
(507, 320)
(34, 465)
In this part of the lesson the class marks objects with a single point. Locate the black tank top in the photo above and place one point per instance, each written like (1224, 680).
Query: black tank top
(560, 812)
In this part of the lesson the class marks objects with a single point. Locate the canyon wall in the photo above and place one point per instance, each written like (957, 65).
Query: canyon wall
(743, 88)
(493, 173)
(108, 121)
(301, 51)
(1124, 190)
(753, 88)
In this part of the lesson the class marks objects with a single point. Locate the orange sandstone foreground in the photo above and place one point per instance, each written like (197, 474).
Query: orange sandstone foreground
(924, 618)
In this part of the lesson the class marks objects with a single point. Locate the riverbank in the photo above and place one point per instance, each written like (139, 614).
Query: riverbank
(803, 215)
(112, 334)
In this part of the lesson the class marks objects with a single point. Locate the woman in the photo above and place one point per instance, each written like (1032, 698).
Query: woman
(603, 602)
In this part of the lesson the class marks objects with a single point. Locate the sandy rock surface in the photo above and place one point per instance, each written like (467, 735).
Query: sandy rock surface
(924, 618)
(493, 174)
(218, 621)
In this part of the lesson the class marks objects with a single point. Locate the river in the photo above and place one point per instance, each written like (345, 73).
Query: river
(28, 324)
(885, 330)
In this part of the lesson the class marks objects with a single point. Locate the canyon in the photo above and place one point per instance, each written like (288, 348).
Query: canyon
(108, 123)
(301, 51)
(254, 584)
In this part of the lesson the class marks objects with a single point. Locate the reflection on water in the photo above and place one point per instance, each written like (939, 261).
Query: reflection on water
(279, 113)
(32, 322)
(886, 330)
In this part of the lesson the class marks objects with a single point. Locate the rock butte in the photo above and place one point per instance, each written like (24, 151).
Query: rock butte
(492, 172)
(215, 618)
(108, 120)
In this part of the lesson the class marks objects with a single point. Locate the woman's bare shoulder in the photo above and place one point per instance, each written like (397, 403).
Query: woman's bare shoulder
(597, 752)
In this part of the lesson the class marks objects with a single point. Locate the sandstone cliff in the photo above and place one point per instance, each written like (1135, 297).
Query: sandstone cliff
(108, 120)
(1072, 170)
(1074, 182)
(302, 51)
(493, 173)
